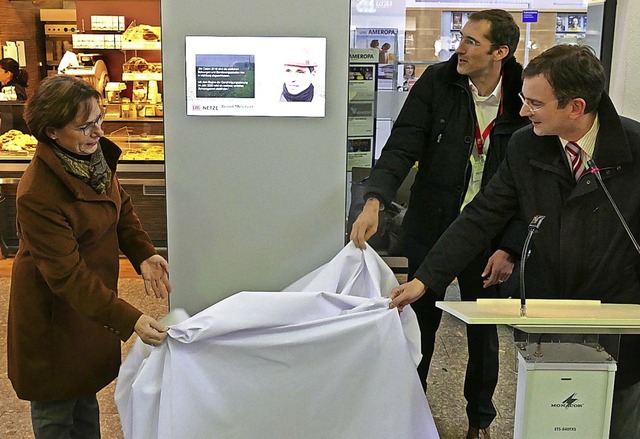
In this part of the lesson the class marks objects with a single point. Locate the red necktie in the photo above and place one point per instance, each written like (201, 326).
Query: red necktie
(573, 151)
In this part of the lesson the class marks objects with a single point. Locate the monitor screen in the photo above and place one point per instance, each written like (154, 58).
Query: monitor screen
(255, 76)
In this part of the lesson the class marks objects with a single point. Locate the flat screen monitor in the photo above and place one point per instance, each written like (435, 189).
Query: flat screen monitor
(255, 76)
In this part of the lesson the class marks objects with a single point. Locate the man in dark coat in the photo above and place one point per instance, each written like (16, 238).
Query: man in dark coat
(456, 122)
(582, 250)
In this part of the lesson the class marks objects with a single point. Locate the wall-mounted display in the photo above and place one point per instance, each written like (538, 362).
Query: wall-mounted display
(255, 76)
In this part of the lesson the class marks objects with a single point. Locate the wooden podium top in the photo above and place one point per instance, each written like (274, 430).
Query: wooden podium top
(550, 315)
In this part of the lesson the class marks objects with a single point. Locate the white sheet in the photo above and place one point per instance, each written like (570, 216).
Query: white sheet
(326, 360)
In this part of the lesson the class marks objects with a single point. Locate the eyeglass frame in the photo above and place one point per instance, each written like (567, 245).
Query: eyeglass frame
(532, 109)
(469, 41)
(92, 125)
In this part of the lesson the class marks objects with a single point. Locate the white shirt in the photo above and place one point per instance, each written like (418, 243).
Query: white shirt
(487, 108)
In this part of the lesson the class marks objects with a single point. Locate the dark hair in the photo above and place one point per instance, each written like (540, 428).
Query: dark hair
(573, 72)
(504, 30)
(57, 101)
(20, 76)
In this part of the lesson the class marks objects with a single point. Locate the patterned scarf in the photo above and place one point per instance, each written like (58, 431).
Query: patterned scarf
(95, 171)
(304, 96)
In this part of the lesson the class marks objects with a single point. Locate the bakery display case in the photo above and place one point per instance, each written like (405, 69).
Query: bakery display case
(141, 141)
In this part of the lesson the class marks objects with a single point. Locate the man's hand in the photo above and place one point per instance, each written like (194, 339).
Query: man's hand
(150, 330)
(366, 225)
(498, 269)
(155, 272)
(406, 293)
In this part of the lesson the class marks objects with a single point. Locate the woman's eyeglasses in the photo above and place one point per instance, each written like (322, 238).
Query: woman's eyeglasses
(88, 128)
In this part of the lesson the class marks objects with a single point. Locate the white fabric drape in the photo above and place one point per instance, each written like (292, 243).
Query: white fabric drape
(326, 359)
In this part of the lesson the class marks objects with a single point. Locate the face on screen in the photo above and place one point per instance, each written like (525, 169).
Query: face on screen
(297, 78)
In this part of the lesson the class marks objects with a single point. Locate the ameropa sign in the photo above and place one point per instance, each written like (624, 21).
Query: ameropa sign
(363, 55)
(569, 402)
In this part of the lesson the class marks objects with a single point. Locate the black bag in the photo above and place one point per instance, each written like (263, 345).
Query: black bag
(388, 237)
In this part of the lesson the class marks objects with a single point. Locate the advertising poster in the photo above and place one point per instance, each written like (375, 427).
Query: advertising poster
(385, 41)
(361, 119)
(577, 23)
(255, 76)
(362, 85)
(359, 153)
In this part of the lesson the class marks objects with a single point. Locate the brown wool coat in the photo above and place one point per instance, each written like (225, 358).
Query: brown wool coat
(66, 321)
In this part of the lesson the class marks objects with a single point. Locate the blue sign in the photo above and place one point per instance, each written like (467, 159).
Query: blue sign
(530, 16)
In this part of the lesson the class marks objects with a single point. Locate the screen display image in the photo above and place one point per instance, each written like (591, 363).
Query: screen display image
(255, 76)
(225, 76)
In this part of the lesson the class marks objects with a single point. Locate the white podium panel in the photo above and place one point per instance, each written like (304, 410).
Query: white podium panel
(564, 390)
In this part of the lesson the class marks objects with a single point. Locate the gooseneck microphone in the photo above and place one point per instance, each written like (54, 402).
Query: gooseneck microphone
(593, 169)
(534, 226)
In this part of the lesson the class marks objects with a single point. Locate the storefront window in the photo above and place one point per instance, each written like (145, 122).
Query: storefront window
(410, 35)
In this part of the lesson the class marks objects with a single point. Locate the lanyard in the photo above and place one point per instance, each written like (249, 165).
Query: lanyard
(481, 138)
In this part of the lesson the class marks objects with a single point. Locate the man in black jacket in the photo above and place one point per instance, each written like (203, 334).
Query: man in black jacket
(456, 122)
(582, 250)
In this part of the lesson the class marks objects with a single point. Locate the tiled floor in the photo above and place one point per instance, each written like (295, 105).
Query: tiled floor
(446, 378)
(444, 387)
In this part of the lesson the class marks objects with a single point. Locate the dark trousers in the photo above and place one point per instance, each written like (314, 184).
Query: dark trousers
(625, 413)
(481, 375)
(68, 419)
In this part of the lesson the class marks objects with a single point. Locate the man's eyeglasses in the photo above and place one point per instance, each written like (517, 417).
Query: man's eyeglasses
(531, 107)
(88, 128)
(470, 42)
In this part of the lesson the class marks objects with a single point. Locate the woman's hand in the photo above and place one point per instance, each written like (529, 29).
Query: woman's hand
(155, 272)
(150, 330)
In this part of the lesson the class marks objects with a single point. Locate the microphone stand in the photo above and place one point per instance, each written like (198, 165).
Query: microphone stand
(593, 169)
(534, 226)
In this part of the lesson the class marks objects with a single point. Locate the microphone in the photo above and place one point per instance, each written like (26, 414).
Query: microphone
(534, 227)
(593, 169)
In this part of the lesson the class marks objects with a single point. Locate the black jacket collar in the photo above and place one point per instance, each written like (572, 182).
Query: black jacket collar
(612, 144)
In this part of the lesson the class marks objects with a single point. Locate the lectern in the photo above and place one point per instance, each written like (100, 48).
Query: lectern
(565, 374)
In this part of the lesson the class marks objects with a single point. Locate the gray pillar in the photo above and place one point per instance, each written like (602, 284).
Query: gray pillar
(253, 202)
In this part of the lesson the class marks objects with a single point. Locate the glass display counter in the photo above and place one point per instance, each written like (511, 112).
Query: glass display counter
(141, 141)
